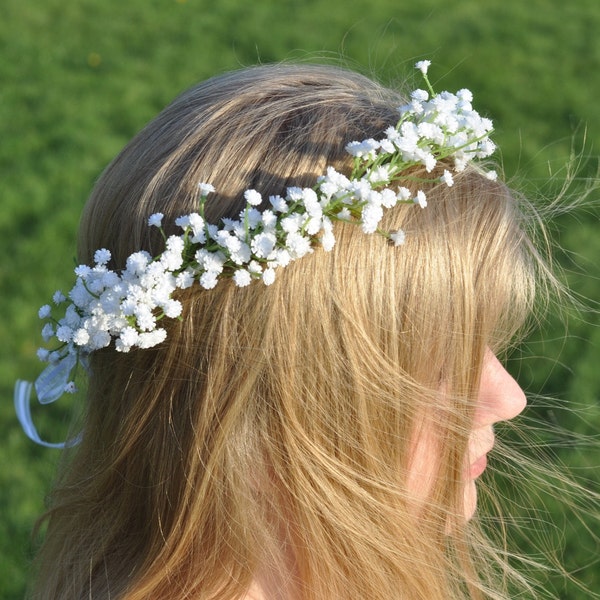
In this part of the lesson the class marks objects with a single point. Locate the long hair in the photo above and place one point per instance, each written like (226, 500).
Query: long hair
(275, 424)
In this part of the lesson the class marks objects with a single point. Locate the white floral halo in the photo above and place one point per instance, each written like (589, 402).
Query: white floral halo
(127, 306)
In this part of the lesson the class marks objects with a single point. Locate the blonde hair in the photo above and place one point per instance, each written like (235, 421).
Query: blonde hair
(278, 421)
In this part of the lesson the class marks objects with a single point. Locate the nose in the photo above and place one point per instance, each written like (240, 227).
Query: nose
(500, 396)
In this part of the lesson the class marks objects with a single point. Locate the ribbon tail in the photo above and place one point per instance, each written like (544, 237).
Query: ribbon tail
(22, 399)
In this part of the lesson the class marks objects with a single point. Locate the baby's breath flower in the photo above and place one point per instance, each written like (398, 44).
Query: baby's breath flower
(403, 194)
(172, 308)
(447, 178)
(268, 276)
(421, 199)
(208, 280)
(47, 332)
(155, 220)
(82, 271)
(398, 237)
(252, 197)
(278, 204)
(344, 214)
(64, 333)
(185, 279)
(205, 189)
(183, 221)
(423, 66)
(81, 337)
(43, 354)
(125, 308)
(242, 278)
(102, 256)
(45, 311)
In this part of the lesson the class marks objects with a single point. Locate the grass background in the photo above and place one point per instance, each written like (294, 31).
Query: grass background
(79, 78)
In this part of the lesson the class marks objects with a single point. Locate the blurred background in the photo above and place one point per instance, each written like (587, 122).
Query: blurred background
(78, 79)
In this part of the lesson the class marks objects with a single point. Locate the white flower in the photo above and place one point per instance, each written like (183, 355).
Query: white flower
(327, 239)
(428, 161)
(294, 193)
(252, 197)
(82, 271)
(282, 257)
(213, 261)
(423, 66)
(278, 204)
(371, 215)
(146, 321)
(45, 311)
(64, 333)
(185, 279)
(486, 148)
(125, 306)
(81, 337)
(364, 149)
(421, 199)
(297, 245)
(403, 194)
(254, 218)
(196, 223)
(58, 297)
(110, 279)
(172, 308)
(211, 230)
(183, 221)
(269, 219)
(254, 267)
(128, 337)
(137, 262)
(387, 146)
(312, 205)
(150, 339)
(491, 175)
(262, 245)
(380, 175)
(388, 198)
(268, 276)
(420, 95)
(205, 189)
(208, 280)
(447, 178)
(242, 255)
(344, 214)
(465, 95)
(242, 278)
(102, 256)
(98, 339)
(312, 226)
(72, 317)
(292, 223)
(398, 237)
(43, 354)
(333, 184)
(155, 220)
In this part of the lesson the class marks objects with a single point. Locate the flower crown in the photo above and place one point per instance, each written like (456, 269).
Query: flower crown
(127, 306)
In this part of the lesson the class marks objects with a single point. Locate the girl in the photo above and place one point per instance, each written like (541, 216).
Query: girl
(318, 437)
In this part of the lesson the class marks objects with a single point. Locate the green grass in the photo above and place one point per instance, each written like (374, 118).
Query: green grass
(79, 78)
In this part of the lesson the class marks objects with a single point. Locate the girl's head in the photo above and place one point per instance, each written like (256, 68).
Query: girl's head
(287, 424)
